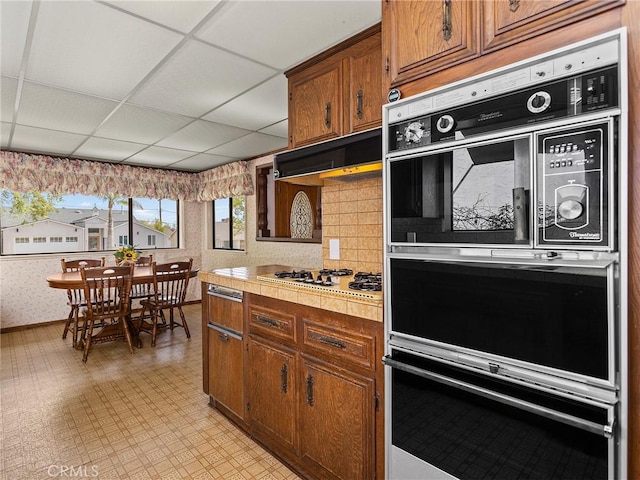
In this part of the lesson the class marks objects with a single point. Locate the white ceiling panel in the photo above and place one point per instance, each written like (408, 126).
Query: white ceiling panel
(284, 32)
(201, 136)
(182, 16)
(198, 78)
(141, 125)
(106, 149)
(280, 129)
(14, 23)
(250, 146)
(57, 109)
(95, 49)
(202, 161)
(160, 83)
(264, 105)
(158, 156)
(43, 141)
(8, 89)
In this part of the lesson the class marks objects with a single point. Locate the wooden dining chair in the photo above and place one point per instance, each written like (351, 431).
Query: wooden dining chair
(142, 290)
(170, 282)
(106, 291)
(76, 297)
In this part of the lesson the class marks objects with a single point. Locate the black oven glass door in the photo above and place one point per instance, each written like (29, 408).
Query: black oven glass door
(442, 422)
(551, 315)
(469, 195)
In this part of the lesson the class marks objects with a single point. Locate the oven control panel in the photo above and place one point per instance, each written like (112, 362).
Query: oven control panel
(573, 199)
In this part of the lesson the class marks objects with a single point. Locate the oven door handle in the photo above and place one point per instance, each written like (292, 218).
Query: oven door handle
(593, 427)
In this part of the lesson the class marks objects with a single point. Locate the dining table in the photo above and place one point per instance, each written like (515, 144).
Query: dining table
(142, 274)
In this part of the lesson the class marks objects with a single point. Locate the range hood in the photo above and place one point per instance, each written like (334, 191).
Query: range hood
(347, 158)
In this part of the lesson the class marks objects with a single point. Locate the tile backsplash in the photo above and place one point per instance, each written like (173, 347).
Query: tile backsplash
(352, 214)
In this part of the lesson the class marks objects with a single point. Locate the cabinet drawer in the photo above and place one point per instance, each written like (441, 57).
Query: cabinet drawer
(356, 348)
(271, 323)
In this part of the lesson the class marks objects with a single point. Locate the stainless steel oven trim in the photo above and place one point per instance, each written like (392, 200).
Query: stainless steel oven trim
(539, 378)
(592, 427)
(525, 130)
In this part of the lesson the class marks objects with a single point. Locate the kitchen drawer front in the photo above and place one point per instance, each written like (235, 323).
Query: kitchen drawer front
(353, 347)
(271, 323)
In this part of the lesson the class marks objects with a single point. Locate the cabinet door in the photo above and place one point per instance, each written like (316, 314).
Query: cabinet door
(337, 421)
(226, 369)
(511, 21)
(364, 89)
(271, 393)
(315, 109)
(420, 38)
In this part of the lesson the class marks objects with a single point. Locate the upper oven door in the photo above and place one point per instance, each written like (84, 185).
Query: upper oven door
(473, 194)
(540, 322)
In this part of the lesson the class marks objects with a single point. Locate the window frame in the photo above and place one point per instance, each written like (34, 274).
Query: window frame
(129, 235)
(231, 217)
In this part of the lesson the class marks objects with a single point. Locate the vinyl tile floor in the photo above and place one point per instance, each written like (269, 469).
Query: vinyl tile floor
(119, 416)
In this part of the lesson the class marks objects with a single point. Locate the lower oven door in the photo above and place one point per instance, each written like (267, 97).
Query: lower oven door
(444, 423)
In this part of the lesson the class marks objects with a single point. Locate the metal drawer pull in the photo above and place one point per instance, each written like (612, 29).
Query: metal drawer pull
(446, 20)
(359, 104)
(332, 342)
(327, 115)
(267, 321)
(310, 390)
(284, 377)
(223, 336)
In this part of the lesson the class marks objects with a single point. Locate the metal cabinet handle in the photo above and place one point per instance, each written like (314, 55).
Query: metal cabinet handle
(446, 19)
(284, 378)
(267, 321)
(310, 390)
(327, 115)
(223, 336)
(513, 5)
(359, 104)
(334, 342)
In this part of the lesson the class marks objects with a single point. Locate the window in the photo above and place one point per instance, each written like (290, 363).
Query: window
(82, 223)
(229, 223)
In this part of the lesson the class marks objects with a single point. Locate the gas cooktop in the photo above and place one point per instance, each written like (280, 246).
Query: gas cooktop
(340, 282)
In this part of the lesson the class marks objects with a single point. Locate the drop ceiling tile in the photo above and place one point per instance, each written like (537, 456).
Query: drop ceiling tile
(46, 142)
(158, 156)
(198, 78)
(200, 136)
(250, 146)
(280, 129)
(92, 48)
(183, 15)
(106, 149)
(261, 106)
(201, 162)
(5, 131)
(57, 109)
(283, 33)
(8, 90)
(14, 24)
(141, 125)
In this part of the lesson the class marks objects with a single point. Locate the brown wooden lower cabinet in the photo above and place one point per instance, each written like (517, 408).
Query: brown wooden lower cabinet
(313, 383)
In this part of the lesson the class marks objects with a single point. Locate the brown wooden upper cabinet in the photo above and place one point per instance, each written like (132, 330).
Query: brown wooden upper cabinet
(337, 92)
(421, 38)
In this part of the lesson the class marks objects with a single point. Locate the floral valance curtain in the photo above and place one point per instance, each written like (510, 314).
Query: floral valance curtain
(22, 172)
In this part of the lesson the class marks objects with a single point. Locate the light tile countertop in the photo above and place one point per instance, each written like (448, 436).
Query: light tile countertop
(246, 279)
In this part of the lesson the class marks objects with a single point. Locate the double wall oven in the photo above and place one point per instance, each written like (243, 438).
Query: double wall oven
(505, 271)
